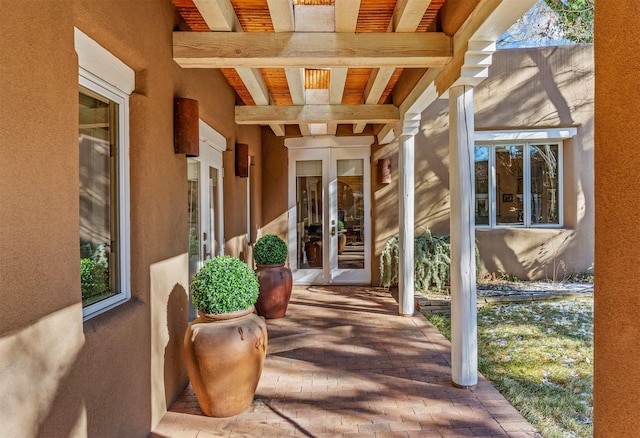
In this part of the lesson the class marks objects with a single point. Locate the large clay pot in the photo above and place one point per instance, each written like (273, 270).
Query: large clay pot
(224, 355)
(276, 282)
(313, 249)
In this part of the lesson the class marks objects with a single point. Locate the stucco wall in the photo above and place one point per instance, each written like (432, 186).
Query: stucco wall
(115, 374)
(617, 228)
(526, 89)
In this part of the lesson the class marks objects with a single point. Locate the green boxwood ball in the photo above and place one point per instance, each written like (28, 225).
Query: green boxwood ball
(224, 284)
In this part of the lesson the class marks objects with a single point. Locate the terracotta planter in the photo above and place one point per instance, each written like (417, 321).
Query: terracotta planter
(275, 290)
(224, 355)
(314, 253)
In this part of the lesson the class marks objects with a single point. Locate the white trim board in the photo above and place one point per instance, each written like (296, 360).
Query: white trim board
(99, 61)
(526, 134)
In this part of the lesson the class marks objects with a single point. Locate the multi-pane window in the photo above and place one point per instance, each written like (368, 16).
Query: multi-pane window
(518, 184)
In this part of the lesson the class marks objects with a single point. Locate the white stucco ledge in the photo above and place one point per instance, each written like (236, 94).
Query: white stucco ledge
(526, 134)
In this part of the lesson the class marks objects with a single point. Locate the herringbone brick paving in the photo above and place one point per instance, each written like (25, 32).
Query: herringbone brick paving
(342, 363)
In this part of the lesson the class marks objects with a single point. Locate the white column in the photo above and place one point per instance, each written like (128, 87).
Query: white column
(410, 127)
(464, 332)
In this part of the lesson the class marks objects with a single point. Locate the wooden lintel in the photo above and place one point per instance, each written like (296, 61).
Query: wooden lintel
(310, 50)
(304, 114)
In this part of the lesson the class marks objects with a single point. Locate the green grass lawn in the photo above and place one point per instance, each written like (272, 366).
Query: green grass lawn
(540, 357)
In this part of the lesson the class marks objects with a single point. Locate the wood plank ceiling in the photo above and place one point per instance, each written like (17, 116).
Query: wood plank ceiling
(324, 60)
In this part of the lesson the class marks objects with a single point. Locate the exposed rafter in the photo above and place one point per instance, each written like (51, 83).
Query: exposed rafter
(373, 50)
(294, 114)
(310, 50)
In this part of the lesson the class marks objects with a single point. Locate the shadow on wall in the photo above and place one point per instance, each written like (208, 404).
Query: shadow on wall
(535, 254)
(176, 326)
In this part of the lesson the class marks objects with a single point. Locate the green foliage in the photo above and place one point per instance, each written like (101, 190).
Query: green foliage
(224, 284)
(94, 278)
(575, 18)
(340, 226)
(270, 250)
(432, 261)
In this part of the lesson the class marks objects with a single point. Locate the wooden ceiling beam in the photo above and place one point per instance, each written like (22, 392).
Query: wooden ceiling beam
(408, 14)
(295, 114)
(281, 12)
(219, 15)
(346, 15)
(310, 50)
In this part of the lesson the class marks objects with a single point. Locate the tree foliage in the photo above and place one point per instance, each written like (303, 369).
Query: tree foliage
(552, 22)
(575, 18)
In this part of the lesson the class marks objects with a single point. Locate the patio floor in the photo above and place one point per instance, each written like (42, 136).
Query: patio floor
(342, 363)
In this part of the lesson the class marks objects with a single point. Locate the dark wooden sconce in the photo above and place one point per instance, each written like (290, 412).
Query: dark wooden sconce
(242, 160)
(384, 170)
(186, 137)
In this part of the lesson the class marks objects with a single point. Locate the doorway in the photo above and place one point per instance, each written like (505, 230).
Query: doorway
(204, 185)
(330, 215)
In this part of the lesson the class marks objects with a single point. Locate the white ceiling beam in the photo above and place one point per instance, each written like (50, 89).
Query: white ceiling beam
(346, 15)
(408, 14)
(310, 50)
(281, 15)
(265, 115)
(219, 15)
(377, 84)
(295, 79)
(336, 86)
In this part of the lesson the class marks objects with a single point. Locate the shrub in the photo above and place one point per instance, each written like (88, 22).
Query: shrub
(94, 278)
(432, 261)
(270, 250)
(224, 284)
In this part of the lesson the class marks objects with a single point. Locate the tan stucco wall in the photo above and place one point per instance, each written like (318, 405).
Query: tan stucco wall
(521, 92)
(617, 228)
(115, 374)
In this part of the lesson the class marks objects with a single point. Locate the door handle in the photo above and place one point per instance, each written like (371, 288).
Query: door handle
(205, 255)
(333, 231)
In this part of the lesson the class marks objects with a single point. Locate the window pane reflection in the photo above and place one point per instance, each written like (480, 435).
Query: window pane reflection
(482, 184)
(544, 184)
(509, 185)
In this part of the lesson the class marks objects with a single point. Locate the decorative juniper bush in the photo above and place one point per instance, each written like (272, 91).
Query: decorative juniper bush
(432, 261)
(225, 284)
(270, 250)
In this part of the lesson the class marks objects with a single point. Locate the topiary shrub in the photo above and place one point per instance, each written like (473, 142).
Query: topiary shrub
(94, 278)
(432, 261)
(270, 250)
(224, 284)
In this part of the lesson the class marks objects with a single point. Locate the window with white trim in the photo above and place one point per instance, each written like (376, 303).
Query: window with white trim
(518, 183)
(105, 84)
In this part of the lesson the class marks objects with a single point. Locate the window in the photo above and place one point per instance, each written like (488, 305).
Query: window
(104, 87)
(518, 184)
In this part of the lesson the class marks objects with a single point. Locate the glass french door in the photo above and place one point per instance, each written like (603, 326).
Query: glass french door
(204, 174)
(329, 218)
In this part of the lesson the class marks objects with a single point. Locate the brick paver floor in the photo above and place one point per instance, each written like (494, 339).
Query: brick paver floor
(342, 363)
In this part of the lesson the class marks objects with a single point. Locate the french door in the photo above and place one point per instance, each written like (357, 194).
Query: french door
(204, 187)
(329, 215)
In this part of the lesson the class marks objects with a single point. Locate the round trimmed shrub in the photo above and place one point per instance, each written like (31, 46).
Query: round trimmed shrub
(224, 284)
(270, 250)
